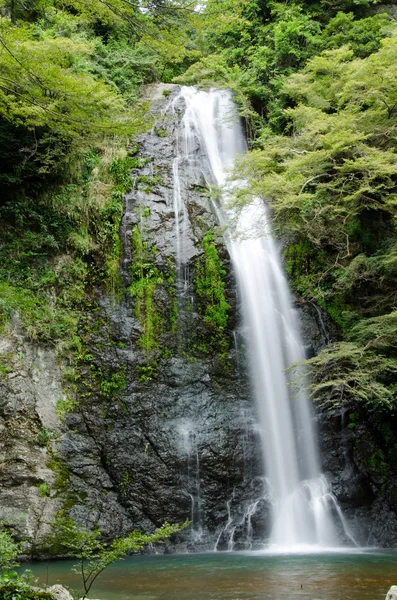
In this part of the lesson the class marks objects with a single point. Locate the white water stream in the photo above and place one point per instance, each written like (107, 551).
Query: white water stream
(303, 506)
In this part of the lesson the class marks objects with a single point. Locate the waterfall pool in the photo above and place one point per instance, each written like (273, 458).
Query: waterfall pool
(238, 576)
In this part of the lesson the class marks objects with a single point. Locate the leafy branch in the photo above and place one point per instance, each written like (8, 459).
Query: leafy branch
(94, 555)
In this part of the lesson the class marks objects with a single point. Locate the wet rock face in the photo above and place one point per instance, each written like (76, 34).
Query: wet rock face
(163, 428)
(362, 483)
(177, 439)
(317, 328)
(30, 386)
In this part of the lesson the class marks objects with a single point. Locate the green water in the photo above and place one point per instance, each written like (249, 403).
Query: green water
(238, 576)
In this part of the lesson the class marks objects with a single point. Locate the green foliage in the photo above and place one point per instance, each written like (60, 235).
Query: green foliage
(62, 481)
(40, 321)
(109, 219)
(9, 550)
(347, 374)
(326, 9)
(161, 132)
(43, 489)
(210, 285)
(15, 587)
(363, 36)
(120, 171)
(69, 95)
(353, 417)
(146, 372)
(146, 182)
(331, 185)
(43, 437)
(377, 333)
(6, 364)
(112, 387)
(294, 36)
(377, 461)
(320, 75)
(95, 556)
(251, 52)
(64, 406)
(39, 79)
(210, 288)
(81, 228)
(125, 483)
(125, 67)
(172, 39)
(145, 278)
(361, 370)
(12, 585)
(251, 47)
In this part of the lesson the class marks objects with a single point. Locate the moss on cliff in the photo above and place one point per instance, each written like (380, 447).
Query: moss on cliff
(210, 288)
(145, 279)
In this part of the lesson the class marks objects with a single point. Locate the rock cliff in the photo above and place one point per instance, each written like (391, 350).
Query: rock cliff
(152, 421)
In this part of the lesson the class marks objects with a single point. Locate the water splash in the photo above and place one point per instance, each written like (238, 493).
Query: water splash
(228, 529)
(189, 449)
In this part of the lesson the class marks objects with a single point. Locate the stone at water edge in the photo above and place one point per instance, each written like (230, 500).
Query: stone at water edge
(392, 593)
(59, 592)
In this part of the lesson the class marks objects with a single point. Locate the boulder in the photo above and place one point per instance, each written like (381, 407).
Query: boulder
(392, 593)
(59, 592)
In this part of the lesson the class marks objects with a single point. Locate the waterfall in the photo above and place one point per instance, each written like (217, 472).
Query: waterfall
(302, 504)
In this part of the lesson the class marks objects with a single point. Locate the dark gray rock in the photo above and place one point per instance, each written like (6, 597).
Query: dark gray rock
(362, 485)
(178, 441)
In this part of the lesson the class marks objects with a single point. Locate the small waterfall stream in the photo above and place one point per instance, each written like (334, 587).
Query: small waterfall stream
(302, 504)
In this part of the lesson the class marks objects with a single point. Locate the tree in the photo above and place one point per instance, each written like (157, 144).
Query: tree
(346, 374)
(331, 183)
(363, 35)
(9, 551)
(95, 555)
(42, 86)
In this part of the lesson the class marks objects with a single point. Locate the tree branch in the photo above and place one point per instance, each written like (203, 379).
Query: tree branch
(312, 179)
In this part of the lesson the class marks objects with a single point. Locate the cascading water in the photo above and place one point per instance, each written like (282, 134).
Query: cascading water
(301, 500)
